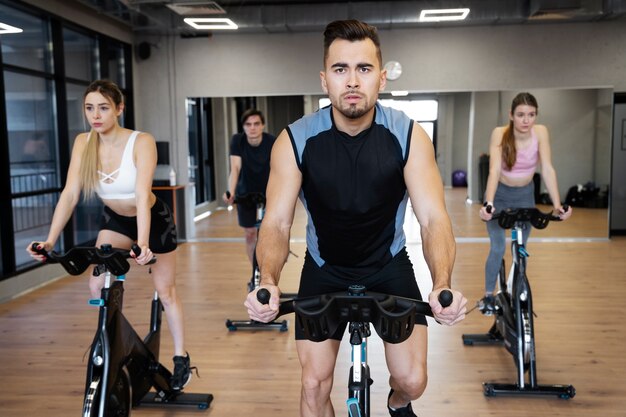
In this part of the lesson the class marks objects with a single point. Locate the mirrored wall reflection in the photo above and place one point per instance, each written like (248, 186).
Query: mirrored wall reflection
(579, 121)
(580, 126)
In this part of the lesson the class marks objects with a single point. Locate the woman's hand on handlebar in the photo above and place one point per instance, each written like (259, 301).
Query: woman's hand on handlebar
(564, 212)
(264, 313)
(46, 246)
(144, 257)
(452, 314)
(486, 212)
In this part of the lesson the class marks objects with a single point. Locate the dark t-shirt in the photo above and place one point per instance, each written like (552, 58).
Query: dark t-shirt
(255, 163)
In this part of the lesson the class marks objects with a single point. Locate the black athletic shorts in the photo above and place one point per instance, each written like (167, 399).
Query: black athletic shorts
(162, 227)
(396, 278)
(246, 214)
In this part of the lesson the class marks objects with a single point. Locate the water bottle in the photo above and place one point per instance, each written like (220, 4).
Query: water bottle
(172, 177)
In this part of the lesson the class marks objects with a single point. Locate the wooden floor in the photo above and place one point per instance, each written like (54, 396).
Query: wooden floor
(578, 284)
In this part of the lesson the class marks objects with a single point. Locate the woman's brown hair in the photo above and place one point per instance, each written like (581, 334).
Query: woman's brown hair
(90, 163)
(509, 153)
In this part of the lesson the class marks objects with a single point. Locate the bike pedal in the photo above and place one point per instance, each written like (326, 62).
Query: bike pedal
(96, 302)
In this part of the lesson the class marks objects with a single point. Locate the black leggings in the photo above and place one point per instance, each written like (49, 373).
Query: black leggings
(396, 278)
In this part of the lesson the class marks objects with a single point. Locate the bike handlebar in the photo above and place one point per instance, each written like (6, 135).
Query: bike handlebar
(319, 317)
(538, 219)
(250, 199)
(77, 259)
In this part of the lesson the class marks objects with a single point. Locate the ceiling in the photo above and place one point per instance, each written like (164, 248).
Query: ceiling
(284, 16)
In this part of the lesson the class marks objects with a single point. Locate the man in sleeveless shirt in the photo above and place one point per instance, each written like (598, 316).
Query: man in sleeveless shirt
(354, 165)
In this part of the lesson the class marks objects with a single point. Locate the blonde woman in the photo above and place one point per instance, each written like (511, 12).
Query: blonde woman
(118, 165)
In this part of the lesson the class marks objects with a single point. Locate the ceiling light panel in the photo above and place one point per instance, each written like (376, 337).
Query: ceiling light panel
(210, 23)
(4, 29)
(441, 15)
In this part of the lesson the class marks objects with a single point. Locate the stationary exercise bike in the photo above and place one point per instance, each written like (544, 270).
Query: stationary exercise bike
(122, 369)
(256, 200)
(514, 327)
(393, 319)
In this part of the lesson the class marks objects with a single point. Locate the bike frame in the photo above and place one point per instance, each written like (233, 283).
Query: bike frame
(359, 381)
(122, 368)
(393, 318)
(514, 317)
(257, 199)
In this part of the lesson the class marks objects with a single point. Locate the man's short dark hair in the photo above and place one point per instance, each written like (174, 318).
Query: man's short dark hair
(252, 112)
(351, 30)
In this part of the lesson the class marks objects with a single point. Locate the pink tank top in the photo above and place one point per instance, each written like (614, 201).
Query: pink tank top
(526, 160)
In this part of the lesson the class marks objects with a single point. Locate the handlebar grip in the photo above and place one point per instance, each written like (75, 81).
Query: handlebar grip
(227, 194)
(136, 249)
(445, 298)
(42, 251)
(488, 207)
(263, 296)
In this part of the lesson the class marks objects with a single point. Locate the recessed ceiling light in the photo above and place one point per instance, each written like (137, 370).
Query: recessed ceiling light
(4, 28)
(440, 15)
(215, 23)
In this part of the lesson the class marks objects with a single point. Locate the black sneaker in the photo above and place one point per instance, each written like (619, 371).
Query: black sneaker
(182, 372)
(402, 411)
(487, 305)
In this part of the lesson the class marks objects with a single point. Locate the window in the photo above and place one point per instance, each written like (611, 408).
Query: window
(30, 49)
(41, 113)
(80, 55)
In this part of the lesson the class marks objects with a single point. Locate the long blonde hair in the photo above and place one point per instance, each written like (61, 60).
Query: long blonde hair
(509, 152)
(90, 162)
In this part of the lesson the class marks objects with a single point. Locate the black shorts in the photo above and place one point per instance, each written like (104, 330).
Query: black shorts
(162, 227)
(246, 215)
(396, 278)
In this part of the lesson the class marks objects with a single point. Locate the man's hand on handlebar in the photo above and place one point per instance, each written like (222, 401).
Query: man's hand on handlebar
(228, 198)
(452, 314)
(263, 313)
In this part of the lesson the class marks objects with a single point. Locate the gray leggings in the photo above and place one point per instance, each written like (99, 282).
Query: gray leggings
(506, 197)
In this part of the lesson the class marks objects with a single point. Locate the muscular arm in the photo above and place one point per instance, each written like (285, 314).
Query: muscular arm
(427, 198)
(273, 245)
(145, 155)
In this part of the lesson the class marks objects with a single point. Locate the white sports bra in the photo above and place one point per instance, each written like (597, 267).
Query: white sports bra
(122, 186)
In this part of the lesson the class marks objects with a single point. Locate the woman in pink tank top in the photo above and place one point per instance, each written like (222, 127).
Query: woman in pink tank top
(515, 152)
(118, 165)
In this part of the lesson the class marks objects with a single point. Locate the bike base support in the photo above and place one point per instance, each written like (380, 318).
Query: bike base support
(199, 401)
(491, 389)
(233, 325)
(482, 339)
